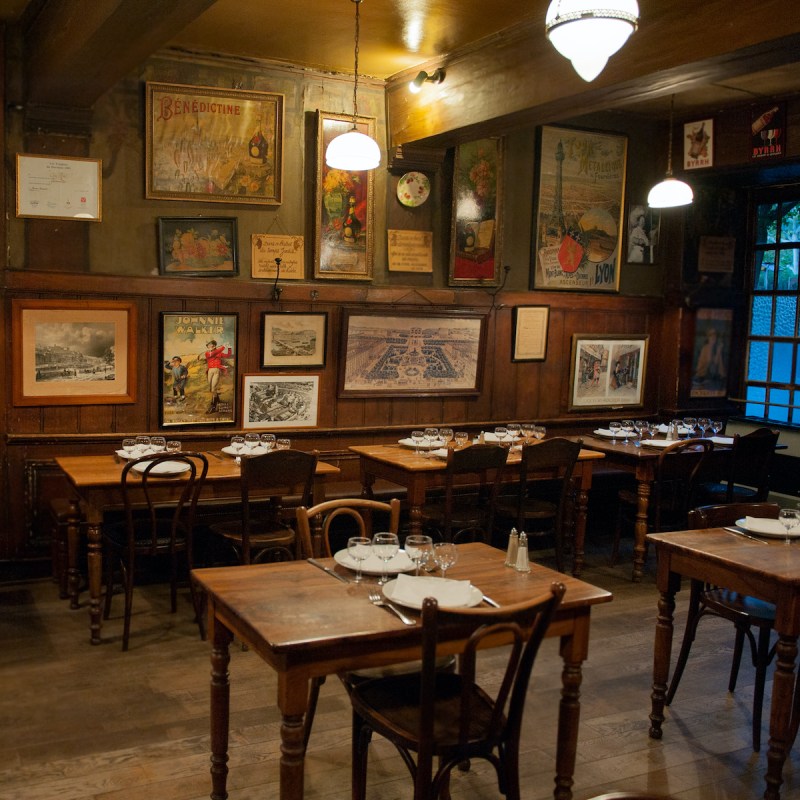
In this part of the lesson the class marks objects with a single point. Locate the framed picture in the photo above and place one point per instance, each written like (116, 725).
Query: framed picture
(644, 229)
(475, 235)
(345, 208)
(73, 352)
(411, 354)
(607, 371)
(213, 145)
(280, 401)
(698, 144)
(578, 221)
(204, 246)
(293, 339)
(712, 352)
(530, 333)
(768, 131)
(59, 187)
(198, 369)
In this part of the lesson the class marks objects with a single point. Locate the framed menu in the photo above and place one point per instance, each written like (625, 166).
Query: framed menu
(59, 187)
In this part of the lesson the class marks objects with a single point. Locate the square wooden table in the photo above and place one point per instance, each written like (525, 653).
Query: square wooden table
(770, 573)
(305, 624)
(405, 467)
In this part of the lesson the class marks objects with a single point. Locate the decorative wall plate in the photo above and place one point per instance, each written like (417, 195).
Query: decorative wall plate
(413, 189)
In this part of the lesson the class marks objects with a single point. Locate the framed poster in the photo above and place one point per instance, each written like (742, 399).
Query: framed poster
(712, 352)
(280, 401)
(213, 145)
(768, 131)
(476, 219)
(73, 352)
(579, 202)
(293, 339)
(607, 371)
(644, 227)
(698, 144)
(59, 187)
(198, 374)
(198, 246)
(530, 333)
(344, 232)
(411, 354)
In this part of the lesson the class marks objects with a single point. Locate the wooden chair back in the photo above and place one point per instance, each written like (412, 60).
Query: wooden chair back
(751, 462)
(676, 480)
(727, 513)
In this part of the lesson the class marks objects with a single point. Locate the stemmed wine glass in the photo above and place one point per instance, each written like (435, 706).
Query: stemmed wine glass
(627, 429)
(128, 446)
(716, 426)
(431, 435)
(359, 549)
(173, 446)
(237, 444)
(501, 433)
(704, 423)
(641, 427)
(268, 441)
(614, 427)
(251, 442)
(691, 424)
(283, 444)
(527, 430)
(462, 437)
(513, 430)
(446, 435)
(788, 518)
(445, 555)
(418, 547)
(539, 432)
(158, 444)
(417, 437)
(385, 545)
(142, 445)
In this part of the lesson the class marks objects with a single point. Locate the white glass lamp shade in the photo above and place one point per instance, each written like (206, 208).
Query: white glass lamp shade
(588, 32)
(670, 193)
(353, 151)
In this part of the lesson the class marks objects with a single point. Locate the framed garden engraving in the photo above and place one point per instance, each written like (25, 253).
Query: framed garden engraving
(280, 401)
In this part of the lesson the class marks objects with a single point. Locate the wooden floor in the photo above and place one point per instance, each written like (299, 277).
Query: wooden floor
(92, 723)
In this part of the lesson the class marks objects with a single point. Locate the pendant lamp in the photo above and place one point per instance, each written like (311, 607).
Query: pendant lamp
(353, 151)
(671, 192)
(589, 32)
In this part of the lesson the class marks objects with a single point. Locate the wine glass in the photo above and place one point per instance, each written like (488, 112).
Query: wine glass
(173, 446)
(359, 549)
(417, 437)
(142, 445)
(627, 428)
(158, 444)
(446, 435)
(237, 444)
(128, 446)
(418, 547)
(445, 555)
(501, 432)
(704, 423)
(462, 438)
(283, 444)
(251, 442)
(690, 424)
(431, 435)
(268, 441)
(527, 430)
(640, 426)
(513, 430)
(716, 426)
(539, 432)
(788, 518)
(385, 546)
(614, 428)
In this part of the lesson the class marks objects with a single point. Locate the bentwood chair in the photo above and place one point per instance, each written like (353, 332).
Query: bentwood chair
(261, 532)
(706, 600)
(448, 716)
(151, 529)
(553, 463)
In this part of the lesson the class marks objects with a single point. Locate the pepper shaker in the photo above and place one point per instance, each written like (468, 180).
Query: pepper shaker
(523, 564)
(513, 544)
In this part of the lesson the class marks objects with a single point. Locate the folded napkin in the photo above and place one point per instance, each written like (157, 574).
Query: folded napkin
(722, 439)
(682, 431)
(605, 432)
(411, 590)
(492, 437)
(761, 525)
(440, 453)
(423, 445)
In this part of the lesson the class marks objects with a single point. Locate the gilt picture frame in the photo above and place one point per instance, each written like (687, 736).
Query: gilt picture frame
(198, 246)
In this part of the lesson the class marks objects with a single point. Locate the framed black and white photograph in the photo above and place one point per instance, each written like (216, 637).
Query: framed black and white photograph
(293, 339)
(280, 401)
(644, 228)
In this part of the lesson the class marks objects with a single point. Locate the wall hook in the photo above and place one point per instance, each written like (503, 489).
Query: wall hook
(314, 295)
(506, 270)
(276, 290)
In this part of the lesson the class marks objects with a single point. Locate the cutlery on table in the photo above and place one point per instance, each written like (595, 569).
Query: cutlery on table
(746, 535)
(490, 602)
(216, 455)
(318, 565)
(377, 600)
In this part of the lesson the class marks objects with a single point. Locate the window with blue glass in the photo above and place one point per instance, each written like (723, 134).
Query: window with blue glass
(772, 374)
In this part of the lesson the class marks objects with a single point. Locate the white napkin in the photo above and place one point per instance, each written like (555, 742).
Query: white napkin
(761, 525)
(722, 439)
(423, 445)
(440, 453)
(492, 437)
(412, 590)
(682, 430)
(604, 432)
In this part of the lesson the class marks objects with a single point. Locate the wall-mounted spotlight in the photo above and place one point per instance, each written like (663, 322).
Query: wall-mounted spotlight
(435, 77)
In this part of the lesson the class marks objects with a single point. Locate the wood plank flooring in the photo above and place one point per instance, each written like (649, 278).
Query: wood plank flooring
(92, 723)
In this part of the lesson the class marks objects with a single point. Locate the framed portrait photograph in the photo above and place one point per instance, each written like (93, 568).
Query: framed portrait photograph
(344, 230)
(644, 228)
(607, 371)
(59, 187)
(475, 235)
(712, 352)
(280, 401)
(529, 341)
(198, 246)
(578, 225)
(213, 145)
(293, 339)
(198, 369)
(73, 352)
(411, 354)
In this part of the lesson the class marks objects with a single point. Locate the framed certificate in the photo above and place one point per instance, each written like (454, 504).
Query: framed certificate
(60, 187)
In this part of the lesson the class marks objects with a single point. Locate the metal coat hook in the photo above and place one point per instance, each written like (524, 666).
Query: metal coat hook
(276, 290)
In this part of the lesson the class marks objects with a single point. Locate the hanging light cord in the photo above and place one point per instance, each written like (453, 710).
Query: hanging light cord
(669, 146)
(355, 68)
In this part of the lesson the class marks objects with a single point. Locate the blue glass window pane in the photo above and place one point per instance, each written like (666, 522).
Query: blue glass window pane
(778, 413)
(795, 415)
(757, 363)
(761, 318)
(790, 221)
(753, 408)
(785, 315)
(764, 270)
(766, 219)
(782, 355)
(787, 270)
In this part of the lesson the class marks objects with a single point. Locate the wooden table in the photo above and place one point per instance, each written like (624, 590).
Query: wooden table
(304, 624)
(97, 484)
(401, 465)
(770, 573)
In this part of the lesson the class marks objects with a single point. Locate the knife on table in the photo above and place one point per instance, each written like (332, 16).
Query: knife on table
(746, 535)
(318, 565)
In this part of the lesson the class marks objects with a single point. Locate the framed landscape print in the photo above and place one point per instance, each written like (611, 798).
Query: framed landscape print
(411, 354)
(607, 371)
(198, 246)
(73, 352)
(280, 401)
(578, 223)
(475, 234)
(344, 247)
(198, 369)
(293, 339)
(213, 145)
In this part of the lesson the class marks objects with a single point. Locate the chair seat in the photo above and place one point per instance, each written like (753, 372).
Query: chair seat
(725, 602)
(532, 509)
(259, 534)
(711, 493)
(117, 535)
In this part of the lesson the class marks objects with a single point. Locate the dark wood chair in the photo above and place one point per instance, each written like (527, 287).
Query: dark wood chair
(150, 529)
(706, 600)
(463, 516)
(261, 532)
(449, 716)
(552, 461)
(674, 489)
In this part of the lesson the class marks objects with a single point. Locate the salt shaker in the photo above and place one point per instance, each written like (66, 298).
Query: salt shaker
(671, 432)
(523, 565)
(513, 544)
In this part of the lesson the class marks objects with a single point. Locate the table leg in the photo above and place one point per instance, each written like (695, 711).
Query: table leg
(73, 540)
(220, 707)
(780, 722)
(640, 529)
(662, 654)
(95, 569)
(580, 519)
(293, 694)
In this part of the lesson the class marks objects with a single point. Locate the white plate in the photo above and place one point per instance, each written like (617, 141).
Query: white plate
(659, 442)
(606, 433)
(768, 528)
(475, 599)
(374, 566)
(164, 468)
(422, 445)
(413, 189)
(256, 451)
(131, 456)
